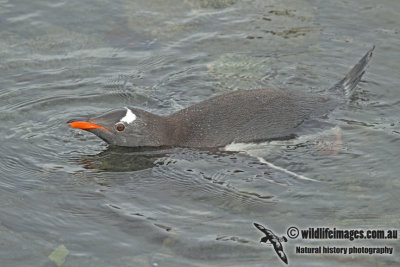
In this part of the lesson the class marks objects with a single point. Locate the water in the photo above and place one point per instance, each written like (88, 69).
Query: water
(66, 197)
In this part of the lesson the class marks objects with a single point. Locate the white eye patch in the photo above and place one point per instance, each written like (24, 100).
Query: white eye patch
(129, 116)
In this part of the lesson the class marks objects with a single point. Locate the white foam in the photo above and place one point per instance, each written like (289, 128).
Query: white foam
(273, 166)
(272, 146)
(259, 150)
(129, 116)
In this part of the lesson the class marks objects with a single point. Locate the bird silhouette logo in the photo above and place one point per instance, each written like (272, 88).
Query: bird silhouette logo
(274, 240)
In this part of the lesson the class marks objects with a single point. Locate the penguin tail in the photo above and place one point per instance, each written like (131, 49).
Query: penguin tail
(350, 81)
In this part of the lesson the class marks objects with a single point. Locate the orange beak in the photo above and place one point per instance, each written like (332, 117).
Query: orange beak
(84, 125)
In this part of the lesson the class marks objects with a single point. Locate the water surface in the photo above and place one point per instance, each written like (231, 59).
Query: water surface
(64, 190)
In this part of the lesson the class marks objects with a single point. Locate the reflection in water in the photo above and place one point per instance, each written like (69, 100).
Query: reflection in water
(120, 159)
(126, 159)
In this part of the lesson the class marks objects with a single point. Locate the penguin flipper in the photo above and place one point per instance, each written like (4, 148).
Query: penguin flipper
(352, 78)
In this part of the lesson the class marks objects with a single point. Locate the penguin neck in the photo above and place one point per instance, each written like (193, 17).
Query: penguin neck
(175, 129)
(158, 131)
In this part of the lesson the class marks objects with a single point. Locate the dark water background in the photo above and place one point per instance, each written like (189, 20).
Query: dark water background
(65, 194)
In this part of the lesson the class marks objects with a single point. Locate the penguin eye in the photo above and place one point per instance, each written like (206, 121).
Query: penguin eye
(120, 127)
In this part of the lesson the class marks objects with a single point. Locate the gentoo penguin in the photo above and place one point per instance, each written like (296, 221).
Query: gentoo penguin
(237, 117)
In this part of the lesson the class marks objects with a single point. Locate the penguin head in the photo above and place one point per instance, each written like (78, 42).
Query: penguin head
(130, 127)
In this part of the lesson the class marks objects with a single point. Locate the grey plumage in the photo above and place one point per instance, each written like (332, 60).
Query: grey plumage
(241, 116)
(352, 78)
(245, 116)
